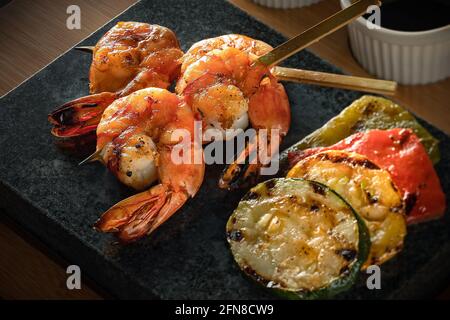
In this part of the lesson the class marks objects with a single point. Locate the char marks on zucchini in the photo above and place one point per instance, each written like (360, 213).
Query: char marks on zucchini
(298, 237)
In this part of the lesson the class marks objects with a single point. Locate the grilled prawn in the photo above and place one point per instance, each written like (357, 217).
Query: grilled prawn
(129, 57)
(227, 90)
(145, 137)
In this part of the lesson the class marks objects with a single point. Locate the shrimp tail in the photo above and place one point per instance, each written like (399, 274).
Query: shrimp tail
(141, 214)
(240, 172)
(269, 110)
(238, 175)
(80, 116)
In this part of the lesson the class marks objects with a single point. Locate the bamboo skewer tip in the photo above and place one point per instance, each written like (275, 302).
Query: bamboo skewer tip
(87, 49)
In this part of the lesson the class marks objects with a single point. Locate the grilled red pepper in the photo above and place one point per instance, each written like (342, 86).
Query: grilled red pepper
(400, 152)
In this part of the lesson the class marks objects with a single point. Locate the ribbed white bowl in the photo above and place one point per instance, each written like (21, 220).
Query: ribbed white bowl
(285, 4)
(406, 57)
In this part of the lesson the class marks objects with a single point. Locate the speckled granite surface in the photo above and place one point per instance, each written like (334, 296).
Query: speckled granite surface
(45, 191)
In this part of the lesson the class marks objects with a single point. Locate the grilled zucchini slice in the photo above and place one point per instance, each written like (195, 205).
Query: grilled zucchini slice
(299, 238)
(368, 189)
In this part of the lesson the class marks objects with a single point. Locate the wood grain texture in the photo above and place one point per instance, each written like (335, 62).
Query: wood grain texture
(33, 33)
(28, 273)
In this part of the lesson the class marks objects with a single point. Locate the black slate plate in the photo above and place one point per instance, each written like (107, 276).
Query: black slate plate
(44, 190)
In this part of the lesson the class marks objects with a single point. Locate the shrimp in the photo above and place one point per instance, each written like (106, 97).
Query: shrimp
(243, 43)
(227, 90)
(135, 141)
(129, 57)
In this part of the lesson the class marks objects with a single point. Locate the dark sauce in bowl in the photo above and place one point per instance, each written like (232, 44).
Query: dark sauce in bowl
(415, 15)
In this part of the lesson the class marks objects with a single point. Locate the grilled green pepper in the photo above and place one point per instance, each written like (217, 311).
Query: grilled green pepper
(367, 113)
(298, 238)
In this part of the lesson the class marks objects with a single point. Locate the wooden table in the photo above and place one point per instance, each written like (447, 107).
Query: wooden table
(27, 268)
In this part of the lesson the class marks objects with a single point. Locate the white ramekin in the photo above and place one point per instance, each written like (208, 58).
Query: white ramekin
(406, 57)
(285, 4)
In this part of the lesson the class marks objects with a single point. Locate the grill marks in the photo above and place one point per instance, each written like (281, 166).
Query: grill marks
(118, 142)
(251, 196)
(270, 184)
(254, 275)
(117, 147)
(354, 161)
(410, 200)
(347, 254)
(319, 189)
(235, 235)
(263, 242)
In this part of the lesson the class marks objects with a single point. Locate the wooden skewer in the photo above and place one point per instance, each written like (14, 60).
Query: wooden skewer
(315, 33)
(309, 36)
(87, 49)
(93, 157)
(324, 79)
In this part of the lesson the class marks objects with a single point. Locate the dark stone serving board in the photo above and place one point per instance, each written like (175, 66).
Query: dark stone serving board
(44, 191)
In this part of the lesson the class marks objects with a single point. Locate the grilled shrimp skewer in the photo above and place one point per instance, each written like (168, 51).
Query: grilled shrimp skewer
(226, 90)
(135, 140)
(129, 57)
(134, 56)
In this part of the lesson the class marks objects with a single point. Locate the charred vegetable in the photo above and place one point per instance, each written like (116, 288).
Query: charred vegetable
(368, 189)
(299, 238)
(399, 152)
(366, 113)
